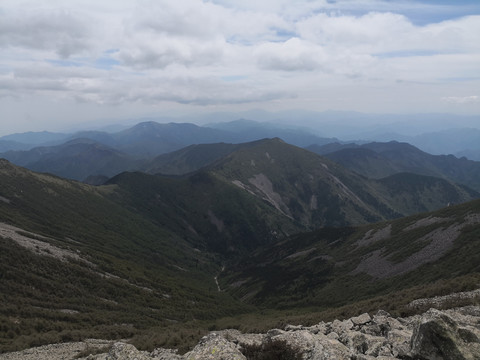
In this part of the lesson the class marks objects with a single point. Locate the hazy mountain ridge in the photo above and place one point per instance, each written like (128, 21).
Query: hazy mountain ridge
(146, 249)
(378, 160)
(76, 159)
(149, 139)
(317, 192)
(457, 141)
(248, 130)
(32, 138)
(6, 145)
(142, 143)
(459, 132)
(190, 158)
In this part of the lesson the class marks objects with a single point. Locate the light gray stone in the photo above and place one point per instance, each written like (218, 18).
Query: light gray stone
(215, 347)
(437, 336)
(361, 319)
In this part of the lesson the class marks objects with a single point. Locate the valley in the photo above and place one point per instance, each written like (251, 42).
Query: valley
(161, 247)
(239, 180)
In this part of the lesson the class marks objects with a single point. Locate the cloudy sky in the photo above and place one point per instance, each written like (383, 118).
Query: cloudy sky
(70, 62)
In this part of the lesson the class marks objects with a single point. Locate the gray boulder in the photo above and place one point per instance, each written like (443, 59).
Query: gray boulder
(435, 335)
(438, 336)
(215, 347)
(123, 351)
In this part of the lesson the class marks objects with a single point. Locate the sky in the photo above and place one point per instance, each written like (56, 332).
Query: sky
(73, 63)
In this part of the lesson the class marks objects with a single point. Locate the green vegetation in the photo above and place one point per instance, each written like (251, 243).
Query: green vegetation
(380, 160)
(138, 258)
(206, 212)
(317, 192)
(338, 266)
(190, 158)
(131, 274)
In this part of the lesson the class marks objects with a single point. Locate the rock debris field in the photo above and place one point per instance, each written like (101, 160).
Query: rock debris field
(451, 334)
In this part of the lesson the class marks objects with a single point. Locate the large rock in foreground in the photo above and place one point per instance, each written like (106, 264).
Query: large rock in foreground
(435, 335)
(439, 336)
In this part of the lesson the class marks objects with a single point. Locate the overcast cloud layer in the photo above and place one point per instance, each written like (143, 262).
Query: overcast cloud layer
(64, 62)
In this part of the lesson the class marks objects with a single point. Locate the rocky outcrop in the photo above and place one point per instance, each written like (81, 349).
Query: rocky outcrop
(435, 335)
(439, 336)
(443, 301)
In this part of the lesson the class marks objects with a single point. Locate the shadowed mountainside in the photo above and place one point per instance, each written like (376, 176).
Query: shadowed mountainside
(75, 264)
(378, 160)
(335, 266)
(77, 159)
(139, 257)
(317, 192)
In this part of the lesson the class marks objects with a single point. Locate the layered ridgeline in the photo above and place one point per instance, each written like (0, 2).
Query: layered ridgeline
(379, 160)
(268, 189)
(75, 263)
(142, 254)
(76, 159)
(84, 154)
(93, 156)
(316, 192)
(337, 266)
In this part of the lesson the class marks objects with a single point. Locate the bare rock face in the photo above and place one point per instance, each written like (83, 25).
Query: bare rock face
(439, 336)
(123, 351)
(214, 346)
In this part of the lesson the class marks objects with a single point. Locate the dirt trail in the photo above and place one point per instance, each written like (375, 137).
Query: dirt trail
(216, 279)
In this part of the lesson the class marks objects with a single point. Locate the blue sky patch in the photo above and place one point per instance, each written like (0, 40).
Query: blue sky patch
(234, 78)
(106, 63)
(407, 53)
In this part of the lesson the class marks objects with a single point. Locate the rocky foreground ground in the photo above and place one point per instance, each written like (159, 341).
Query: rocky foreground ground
(450, 334)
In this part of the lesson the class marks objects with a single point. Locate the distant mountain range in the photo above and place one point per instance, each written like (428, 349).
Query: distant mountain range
(145, 255)
(75, 159)
(151, 138)
(102, 153)
(269, 189)
(378, 160)
(151, 147)
(457, 141)
(269, 182)
(170, 243)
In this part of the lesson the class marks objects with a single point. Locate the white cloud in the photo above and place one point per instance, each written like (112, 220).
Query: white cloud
(161, 51)
(377, 33)
(183, 90)
(462, 99)
(228, 52)
(62, 32)
(292, 55)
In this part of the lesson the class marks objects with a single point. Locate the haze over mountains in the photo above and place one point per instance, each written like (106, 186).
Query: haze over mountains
(187, 225)
(98, 153)
(169, 168)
